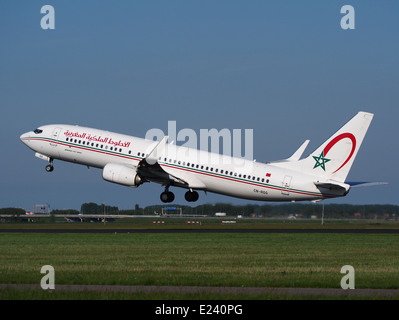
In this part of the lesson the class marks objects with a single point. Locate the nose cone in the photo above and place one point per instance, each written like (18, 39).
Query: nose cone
(25, 137)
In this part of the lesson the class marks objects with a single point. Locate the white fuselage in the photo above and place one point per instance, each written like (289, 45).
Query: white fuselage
(209, 172)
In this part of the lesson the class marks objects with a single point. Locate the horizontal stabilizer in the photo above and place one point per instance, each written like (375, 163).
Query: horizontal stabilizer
(366, 184)
(333, 186)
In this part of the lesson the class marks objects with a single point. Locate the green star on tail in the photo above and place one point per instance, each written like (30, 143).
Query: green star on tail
(321, 161)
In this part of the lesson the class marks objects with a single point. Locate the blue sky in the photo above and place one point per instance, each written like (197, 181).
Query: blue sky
(285, 69)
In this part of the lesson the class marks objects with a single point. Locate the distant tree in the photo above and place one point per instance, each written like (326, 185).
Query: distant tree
(93, 208)
(12, 211)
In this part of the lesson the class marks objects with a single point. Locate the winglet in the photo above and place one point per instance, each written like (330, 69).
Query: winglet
(152, 158)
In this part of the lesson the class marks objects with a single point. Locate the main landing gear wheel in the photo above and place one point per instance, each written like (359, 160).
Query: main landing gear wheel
(167, 196)
(191, 196)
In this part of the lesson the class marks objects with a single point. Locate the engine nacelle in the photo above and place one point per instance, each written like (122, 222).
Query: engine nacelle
(121, 174)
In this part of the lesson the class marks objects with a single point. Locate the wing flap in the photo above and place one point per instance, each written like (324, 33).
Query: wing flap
(185, 178)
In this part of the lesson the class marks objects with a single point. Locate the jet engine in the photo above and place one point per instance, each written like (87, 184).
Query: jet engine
(121, 174)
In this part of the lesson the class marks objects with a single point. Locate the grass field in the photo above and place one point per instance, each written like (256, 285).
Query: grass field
(213, 259)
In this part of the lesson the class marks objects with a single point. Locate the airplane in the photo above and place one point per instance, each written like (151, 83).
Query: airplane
(133, 161)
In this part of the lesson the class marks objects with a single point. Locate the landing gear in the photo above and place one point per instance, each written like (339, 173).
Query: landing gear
(50, 167)
(191, 196)
(167, 196)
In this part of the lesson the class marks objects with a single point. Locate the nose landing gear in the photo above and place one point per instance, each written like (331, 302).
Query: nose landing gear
(50, 167)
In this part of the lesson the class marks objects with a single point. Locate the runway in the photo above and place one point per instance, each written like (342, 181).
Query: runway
(208, 230)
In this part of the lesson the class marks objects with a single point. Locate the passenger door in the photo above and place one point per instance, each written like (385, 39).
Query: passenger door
(286, 185)
(54, 137)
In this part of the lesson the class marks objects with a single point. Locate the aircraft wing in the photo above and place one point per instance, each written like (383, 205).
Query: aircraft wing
(184, 178)
(152, 157)
(151, 170)
(296, 155)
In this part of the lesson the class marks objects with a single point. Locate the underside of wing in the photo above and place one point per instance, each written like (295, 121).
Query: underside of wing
(166, 176)
(149, 169)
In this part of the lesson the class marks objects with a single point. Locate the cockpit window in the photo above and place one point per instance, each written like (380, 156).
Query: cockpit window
(37, 131)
